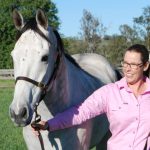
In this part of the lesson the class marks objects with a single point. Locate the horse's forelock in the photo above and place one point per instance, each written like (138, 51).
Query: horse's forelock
(31, 24)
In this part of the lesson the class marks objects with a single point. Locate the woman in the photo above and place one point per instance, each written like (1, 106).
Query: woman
(125, 102)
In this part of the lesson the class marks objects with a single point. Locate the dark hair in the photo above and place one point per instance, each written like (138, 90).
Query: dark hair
(139, 48)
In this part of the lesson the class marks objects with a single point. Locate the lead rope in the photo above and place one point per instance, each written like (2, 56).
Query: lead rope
(36, 126)
(145, 147)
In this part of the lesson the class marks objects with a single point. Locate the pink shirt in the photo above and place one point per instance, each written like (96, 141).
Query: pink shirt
(129, 117)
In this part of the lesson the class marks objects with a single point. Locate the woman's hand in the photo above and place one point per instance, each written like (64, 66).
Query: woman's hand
(42, 125)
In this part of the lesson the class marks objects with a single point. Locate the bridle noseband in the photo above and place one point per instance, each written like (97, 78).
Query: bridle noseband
(38, 84)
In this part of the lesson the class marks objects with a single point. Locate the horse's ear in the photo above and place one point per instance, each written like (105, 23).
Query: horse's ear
(18, 19)
(41, 18)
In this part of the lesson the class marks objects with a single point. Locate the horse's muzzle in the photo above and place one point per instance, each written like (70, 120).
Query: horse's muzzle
(20, 118)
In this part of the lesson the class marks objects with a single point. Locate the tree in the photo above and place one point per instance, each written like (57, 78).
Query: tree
(129, 33)
(74, 45)
(143, 22)
(7, 29)
(92, 31)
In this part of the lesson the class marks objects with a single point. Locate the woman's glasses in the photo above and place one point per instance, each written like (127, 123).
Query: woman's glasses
(132, 66)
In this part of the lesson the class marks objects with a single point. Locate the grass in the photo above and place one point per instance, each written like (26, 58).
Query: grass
(10, 136)
(7, 83)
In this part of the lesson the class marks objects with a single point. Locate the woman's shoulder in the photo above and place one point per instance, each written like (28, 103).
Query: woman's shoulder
(115, 85)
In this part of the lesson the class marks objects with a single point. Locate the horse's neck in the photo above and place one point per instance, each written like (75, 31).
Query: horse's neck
(69, 87)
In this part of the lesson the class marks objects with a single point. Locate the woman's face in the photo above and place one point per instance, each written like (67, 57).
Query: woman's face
(133, 67)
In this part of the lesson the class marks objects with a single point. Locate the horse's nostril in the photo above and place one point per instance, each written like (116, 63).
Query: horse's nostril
(23, 113)
(12, 113)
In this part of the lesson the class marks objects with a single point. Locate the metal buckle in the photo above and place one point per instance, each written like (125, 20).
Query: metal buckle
(41, 85)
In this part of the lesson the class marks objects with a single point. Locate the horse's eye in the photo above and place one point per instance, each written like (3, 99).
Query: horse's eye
(44, 58)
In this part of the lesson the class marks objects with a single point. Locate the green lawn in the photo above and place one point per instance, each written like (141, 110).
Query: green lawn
(10, 136)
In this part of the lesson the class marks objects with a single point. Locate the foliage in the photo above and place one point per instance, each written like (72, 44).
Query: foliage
(74, 45)
(143, 22)
(129, 33)
(92, 31)
(7, 29)
(116, 49)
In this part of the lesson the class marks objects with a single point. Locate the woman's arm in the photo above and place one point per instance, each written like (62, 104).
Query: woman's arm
(94, 105)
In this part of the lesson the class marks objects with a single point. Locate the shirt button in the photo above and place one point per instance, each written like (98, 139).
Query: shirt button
(130, 146)
(133, 132)
(136, 118)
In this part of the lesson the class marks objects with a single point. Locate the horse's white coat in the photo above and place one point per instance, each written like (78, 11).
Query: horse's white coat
(71, 86)
(97, 65)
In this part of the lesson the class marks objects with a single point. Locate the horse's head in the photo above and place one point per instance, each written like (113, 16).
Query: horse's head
(35, 56)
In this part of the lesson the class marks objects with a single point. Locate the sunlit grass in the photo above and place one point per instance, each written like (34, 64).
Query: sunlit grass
(10, 136)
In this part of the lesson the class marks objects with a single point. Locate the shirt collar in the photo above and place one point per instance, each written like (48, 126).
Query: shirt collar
(123, 84)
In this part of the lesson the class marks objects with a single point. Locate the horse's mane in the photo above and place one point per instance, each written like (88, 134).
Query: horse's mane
(60, 48)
